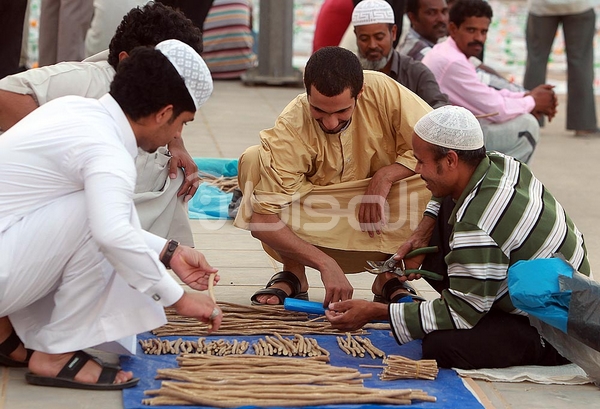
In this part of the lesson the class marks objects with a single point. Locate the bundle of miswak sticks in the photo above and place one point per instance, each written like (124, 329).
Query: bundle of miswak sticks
(156, 346)
(399, 367)
(252, 320)
(249, 380)
(297, 346)
(358, 346)
(225, 183)
(270, 345)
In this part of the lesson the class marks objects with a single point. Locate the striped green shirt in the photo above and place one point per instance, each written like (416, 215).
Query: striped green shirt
(504, 215)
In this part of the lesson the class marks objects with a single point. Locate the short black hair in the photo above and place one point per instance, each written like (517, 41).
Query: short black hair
(148, 26)
(470, 157)
(463, 9)
(412, 6)
(146, 82)
(331, 70)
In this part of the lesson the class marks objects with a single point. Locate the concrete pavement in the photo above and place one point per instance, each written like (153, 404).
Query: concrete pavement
(229, 123)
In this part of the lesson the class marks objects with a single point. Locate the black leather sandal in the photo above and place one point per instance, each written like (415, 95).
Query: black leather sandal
(7, 347)
(392, 286)
(66, 376)
(282, 277)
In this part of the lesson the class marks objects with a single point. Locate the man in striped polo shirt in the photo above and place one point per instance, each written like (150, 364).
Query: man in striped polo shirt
(491, 213)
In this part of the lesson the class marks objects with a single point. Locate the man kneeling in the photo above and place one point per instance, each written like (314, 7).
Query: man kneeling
(77, 270)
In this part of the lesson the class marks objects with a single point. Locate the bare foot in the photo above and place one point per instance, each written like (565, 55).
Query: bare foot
(19, 354)
(587, 132)
(50, 365)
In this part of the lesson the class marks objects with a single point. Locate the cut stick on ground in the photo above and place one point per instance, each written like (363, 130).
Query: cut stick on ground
(357, 346)
(225, 183)
(241, 381)
(156, 346)
(249, 320)
(399, 367)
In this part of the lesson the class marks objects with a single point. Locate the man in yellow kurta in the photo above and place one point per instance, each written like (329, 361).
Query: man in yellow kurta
(332, 184)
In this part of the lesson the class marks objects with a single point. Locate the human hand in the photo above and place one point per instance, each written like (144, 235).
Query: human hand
(351, 315)
(418, 239)
(192, 268)
(545, 99)
(371, 213)
(337, 286)
(180, 158)
(201, 307)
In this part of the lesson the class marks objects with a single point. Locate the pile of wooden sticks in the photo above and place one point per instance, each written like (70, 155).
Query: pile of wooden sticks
(358, 346)
(252, 320)
(249, 380)
(226, 184)
(297, 346)
(156, 346)
(399, 367)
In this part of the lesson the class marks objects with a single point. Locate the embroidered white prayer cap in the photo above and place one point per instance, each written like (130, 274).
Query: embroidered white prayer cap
(372, 12)
(191, 67)
(451, 127)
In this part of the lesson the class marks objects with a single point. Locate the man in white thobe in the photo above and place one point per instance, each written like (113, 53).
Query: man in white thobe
(162, 188)
(77, 270)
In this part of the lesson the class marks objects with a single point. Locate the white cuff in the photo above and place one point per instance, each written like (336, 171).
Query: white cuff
(167, 291)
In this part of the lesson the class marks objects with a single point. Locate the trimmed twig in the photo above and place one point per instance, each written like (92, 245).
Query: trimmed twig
(399, 367)
(240, 381)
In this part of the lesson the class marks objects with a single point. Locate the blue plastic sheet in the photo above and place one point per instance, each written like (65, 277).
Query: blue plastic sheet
(534, 287)
(210, 202)
(448, 388)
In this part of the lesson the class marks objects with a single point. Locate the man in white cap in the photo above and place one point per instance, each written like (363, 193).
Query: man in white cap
(502, 214)
(375, 31)
(77, 269)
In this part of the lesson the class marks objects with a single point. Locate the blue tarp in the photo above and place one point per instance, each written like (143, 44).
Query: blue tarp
(534, 287)
(210, 202)
(448, 388)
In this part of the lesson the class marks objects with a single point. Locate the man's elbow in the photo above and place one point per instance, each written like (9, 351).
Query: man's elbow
(14, 107)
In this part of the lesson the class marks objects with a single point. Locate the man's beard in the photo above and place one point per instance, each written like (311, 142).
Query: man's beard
(375, 65)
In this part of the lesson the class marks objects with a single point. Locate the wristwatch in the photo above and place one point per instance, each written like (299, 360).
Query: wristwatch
(168, 255)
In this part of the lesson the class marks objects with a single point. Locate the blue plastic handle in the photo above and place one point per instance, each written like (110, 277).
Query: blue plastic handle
(310, 307)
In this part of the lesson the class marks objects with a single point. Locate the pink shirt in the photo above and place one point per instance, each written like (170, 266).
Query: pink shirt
(458, 79)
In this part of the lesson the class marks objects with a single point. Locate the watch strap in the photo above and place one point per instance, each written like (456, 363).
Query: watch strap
(168, 254)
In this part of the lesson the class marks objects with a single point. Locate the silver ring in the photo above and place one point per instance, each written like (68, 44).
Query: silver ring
(215, 313)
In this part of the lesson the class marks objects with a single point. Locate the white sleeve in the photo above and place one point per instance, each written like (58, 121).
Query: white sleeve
(133, 253)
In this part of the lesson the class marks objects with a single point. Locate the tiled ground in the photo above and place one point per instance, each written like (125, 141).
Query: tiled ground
(230, 122)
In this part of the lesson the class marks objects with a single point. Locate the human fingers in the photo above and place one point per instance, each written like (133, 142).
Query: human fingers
(215, 319)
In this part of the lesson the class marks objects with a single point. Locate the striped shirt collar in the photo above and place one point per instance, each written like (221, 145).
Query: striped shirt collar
(476, 177)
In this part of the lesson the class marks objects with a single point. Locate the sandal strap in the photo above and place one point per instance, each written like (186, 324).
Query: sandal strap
(11, 343)
(286, 277)
(393, 285)
(277, 292)
(389, 288)
(108, 374)
(71, 368)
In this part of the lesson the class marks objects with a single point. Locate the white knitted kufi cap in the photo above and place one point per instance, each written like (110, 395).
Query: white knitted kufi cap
(191, 67)
(451, 127)
(372, 12)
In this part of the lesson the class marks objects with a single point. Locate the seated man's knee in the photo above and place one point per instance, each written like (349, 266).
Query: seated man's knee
(438, 346)
(249, 168)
